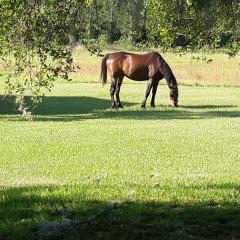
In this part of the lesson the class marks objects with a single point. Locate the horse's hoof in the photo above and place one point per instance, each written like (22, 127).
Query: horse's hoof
(173, 104)
(120, 106)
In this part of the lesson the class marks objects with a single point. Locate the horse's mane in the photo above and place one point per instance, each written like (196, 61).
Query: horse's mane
(166, 71)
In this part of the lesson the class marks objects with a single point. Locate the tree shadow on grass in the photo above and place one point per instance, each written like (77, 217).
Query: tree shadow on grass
(77, 108)
(207, 106)
(23, 210)
(82, 108)
(60, 105)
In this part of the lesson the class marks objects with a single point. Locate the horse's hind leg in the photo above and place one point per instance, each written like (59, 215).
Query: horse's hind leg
(149, 86)
(117, 91)
(112, 91)
(154, 90)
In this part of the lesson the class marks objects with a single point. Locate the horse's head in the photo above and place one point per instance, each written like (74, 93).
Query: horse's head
(174, 96)
(170, 79)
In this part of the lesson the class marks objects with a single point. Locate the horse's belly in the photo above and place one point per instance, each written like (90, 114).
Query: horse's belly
(139, 75)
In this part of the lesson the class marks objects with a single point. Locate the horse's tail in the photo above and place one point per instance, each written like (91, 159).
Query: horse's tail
(103, 77)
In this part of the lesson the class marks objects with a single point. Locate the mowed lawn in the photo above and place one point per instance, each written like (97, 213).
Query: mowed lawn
(172, 173)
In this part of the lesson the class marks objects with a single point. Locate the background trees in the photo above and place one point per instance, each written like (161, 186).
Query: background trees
(115, 19)
(195, 23)
(184, 23)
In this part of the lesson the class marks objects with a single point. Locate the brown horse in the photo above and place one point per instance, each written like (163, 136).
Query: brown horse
(150, 66)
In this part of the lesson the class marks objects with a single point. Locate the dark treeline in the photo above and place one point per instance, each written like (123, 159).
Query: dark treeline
(116, 19)
(184, 23)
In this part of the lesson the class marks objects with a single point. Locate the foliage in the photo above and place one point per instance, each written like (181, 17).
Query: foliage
(117, 19)
(187, 23)
(194, 23)
(34, 40)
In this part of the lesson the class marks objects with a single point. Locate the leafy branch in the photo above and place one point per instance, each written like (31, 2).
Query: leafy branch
(35, 40)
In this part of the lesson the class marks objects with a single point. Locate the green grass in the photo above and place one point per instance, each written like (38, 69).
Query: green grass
(173, 172)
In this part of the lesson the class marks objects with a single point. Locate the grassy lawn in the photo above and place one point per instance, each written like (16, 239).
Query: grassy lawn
(173, 173)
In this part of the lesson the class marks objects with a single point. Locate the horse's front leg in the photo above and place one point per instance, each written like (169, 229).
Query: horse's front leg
(149, 86)
(154, 90)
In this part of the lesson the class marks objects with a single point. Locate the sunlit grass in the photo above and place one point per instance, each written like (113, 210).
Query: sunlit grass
(222, 70)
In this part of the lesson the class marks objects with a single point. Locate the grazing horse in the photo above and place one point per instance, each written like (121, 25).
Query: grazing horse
(150, 66)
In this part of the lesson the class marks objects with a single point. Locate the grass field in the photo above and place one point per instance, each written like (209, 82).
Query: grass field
(83, 171)
(222, 70)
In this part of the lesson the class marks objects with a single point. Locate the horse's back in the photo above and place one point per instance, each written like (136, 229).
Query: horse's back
(143, 58)
(135, 66)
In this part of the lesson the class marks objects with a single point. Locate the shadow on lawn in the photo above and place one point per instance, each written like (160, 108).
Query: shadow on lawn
(80, 108)
(24, 209)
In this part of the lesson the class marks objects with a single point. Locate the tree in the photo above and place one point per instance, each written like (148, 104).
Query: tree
(195, 22)
(117, 18)
(35, 36)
